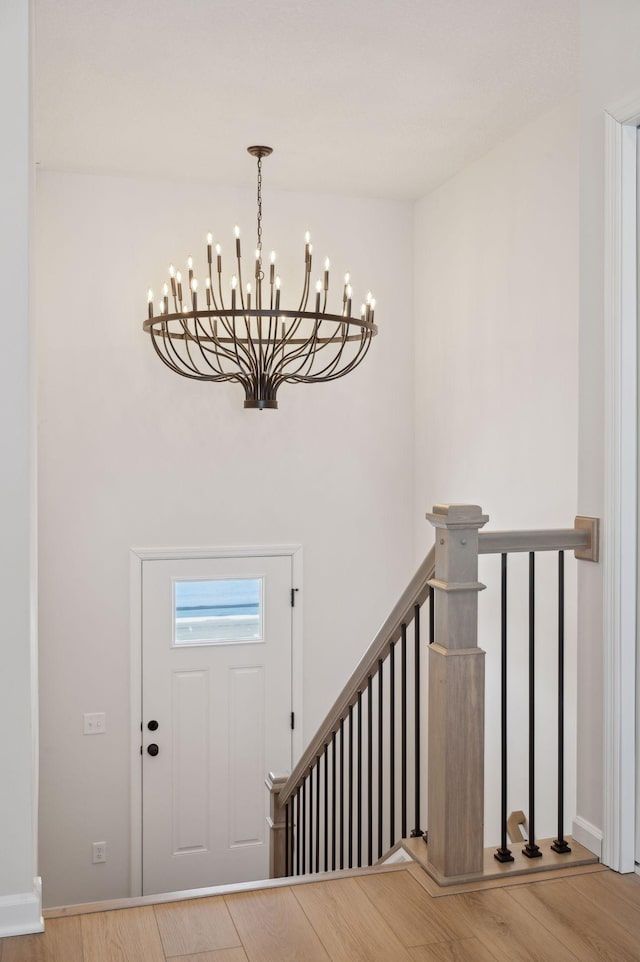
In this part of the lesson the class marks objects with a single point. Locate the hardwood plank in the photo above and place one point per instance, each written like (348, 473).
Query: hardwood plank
(221, 955)
(570, 916)
(625, 887)
(61, 942)
(413, 915)
(466, 950)
(129, 935)
(89, 908)
(350, 927)
(617, 894)
(200, 925)
(273, 927)
(507, 930)
(373, 918)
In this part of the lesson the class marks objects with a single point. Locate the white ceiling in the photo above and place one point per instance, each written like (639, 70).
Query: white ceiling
(384, 98)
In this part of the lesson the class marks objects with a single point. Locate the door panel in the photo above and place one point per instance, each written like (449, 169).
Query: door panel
(191, 752)
(217, 679)
(246, 716)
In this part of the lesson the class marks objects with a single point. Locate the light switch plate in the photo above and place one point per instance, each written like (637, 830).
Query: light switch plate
(94, 723)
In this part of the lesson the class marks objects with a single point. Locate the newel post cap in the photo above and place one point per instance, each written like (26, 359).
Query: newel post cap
(457, 516)
(275, 782)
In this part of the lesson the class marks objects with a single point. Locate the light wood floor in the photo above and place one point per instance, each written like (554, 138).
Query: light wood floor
(372, 918)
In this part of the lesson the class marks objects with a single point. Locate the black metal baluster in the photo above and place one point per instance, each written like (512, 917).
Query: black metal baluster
(392, 746)
(380, 758)
(531, 850)
(369, 772)
(286, 839)
(560, 845)
(293, 835)
(317, 813)
(417, 832)
(311, 819)
(333, 801)
(326, 808)
(292, 817)
(403, 710)
(350, 800)
(359, 787)
(298, 834)
(304, 825)
(504, 853)
(342, 793)
(432, 615)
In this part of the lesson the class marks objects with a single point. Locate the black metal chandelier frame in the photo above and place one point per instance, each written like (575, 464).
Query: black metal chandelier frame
(264, 346)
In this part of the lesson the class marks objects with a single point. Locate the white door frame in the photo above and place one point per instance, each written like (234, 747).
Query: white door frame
(136, 558)
(620, 533)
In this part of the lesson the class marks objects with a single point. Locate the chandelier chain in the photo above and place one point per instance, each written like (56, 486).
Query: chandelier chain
(260, 204)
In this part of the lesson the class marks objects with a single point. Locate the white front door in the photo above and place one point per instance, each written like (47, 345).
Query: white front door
(216, 716)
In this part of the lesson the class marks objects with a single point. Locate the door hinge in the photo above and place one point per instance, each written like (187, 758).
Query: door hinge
(293, 597)
(293, 720)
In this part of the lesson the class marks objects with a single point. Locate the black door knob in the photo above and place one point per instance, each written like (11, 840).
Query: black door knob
(153, 749)
(153, 725)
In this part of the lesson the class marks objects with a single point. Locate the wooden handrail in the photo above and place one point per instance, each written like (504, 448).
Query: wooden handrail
(551, 539)
(402, 613)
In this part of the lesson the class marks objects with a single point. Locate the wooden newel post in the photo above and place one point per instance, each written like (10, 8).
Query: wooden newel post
(456, 696)
(277, 826)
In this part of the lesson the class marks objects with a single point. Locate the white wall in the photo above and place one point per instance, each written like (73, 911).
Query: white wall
(19, 896)
(496, 332)
(132, 455)
(496, 366)
(610, 74)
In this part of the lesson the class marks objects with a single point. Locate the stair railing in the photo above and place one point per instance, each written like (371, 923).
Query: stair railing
(357, 789)
(583, 539)
(348, 799)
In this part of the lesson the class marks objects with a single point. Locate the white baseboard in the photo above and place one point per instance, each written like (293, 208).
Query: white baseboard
(588, 835)
(22, 914)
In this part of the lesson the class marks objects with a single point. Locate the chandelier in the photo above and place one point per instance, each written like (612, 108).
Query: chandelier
(240, 332)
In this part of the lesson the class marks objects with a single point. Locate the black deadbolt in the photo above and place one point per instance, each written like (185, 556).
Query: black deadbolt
(152, 726)
(153, 749)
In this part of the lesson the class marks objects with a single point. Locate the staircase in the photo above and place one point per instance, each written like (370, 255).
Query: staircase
(403, 747)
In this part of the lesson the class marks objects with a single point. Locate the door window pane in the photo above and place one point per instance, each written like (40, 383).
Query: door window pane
(225, 611)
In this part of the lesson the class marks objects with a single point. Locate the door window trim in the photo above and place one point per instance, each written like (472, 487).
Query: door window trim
(136, 558)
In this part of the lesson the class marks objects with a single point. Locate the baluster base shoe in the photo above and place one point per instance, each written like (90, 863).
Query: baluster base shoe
(503, 855)
(532, 851)
(560, 847)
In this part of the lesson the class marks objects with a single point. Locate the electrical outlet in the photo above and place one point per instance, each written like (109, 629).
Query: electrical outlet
(94, 723)
(99, 852)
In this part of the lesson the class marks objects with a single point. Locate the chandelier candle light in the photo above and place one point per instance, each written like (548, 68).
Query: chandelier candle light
(249, 337)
